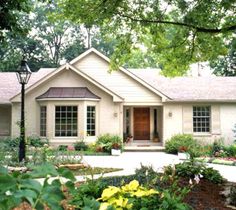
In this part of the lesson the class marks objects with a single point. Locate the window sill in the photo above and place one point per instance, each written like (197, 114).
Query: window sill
(202, 134)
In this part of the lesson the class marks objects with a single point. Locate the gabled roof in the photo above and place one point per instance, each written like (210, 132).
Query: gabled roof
(68, 92)
(144, 83)
(67, 66)
(178, 89)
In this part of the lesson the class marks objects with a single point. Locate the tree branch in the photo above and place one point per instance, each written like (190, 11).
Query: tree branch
(196, 28)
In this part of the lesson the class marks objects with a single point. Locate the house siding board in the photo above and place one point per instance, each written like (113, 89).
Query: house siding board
(187, 119)
(66, 78)
(172, 124)
(215, 120)
(117, 81)
(5, 121)
(228, 120)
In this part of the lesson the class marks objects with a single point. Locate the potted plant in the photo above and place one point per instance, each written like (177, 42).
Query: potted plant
(116, 149)
(128, 138)
(183, 153)
(156, 137)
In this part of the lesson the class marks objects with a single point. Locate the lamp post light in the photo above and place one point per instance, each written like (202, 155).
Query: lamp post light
(23, 75)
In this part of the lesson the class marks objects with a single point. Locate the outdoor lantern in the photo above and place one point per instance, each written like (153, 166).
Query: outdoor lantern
(23, 73)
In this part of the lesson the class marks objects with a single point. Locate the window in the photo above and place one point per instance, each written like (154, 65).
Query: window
(66, 121)
(91, 120)
(43, 121)
(201, 118)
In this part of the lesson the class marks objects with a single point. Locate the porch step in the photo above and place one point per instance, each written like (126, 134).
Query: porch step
(143, 148)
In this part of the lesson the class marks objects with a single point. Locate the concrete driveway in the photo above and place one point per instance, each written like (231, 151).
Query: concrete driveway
(129, 161)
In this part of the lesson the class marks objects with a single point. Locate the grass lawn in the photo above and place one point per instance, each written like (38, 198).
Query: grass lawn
(93, 171)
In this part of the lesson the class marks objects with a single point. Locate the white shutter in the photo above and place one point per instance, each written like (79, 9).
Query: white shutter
(187, 119)
(215, 119)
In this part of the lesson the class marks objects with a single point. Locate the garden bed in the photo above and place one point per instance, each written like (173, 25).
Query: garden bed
(231, 161)
(205, 195)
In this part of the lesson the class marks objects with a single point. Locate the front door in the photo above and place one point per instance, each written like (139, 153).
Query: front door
(141, 123)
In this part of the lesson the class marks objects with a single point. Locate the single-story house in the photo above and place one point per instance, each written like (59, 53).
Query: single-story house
(82, 99)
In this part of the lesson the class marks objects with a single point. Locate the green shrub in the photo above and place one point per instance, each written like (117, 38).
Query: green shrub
(80, 146)
(11, 144)
(62, 147)
(191, 168)
(212, 175)
(182, 141)
(36, 141)
(230, 150)
(217, 149)
(107, 141)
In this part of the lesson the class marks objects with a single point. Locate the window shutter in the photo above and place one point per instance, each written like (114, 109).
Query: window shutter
(187, 119)
(215, 119)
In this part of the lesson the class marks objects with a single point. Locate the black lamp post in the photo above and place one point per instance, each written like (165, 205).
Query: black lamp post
(23, 75)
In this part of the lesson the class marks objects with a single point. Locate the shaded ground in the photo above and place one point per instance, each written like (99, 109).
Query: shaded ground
(206, 196)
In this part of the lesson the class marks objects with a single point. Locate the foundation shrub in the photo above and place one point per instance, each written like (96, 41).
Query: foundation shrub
(62, 147)
(36, 141)
(106, 142)
(186, 141)
(11, 144)
(230, 150)
(80, 146)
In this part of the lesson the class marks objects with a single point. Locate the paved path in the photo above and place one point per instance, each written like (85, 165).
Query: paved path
(129, 161)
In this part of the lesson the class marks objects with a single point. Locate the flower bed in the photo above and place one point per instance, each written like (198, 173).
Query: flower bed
(218, 160)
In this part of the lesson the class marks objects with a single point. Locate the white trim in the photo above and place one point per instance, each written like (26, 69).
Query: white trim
(142, 104)
(68, 99)
(145, 84)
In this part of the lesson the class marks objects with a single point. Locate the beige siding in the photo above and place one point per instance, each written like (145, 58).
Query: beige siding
(67, 78)
(228, 120)
(5, 121)
(215, 120)
(117, 81)
(15, 129)
(187, 119)
(172, 121)
(222, 122)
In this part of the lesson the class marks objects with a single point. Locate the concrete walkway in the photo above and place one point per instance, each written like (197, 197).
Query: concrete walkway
(129, 161)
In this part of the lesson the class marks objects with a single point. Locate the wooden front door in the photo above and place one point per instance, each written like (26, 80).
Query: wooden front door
(141, 123)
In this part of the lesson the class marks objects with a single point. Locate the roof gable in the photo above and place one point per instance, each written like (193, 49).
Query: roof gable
(123, 70)
(67, 66)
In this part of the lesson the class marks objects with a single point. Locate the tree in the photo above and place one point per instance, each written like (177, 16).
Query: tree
(178, 32)
(49, 40)
(9, 10)
(226, 65)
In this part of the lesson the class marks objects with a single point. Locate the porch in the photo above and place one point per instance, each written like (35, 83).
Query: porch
(143, 145)
(143, 128)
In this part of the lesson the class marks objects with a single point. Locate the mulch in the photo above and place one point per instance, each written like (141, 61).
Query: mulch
(206, 196)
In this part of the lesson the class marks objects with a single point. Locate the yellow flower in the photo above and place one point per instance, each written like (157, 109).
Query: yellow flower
(132, 186)
(109, 192)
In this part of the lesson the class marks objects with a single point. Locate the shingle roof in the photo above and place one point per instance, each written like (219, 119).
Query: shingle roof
(9, 85)
(68, 92)
(210, 88)
(177, 89)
